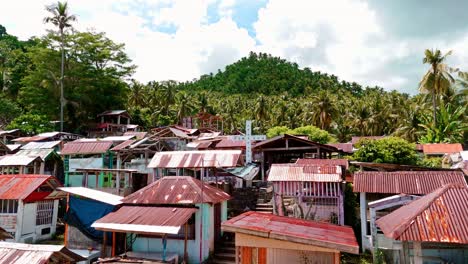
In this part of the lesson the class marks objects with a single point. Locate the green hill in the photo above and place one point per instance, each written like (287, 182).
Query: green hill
(263, 73)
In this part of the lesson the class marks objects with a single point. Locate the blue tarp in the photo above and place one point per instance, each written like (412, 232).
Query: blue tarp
(82, 213)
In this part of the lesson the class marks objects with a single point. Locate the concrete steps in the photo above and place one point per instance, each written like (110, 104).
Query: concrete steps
(262, 207)
(225, 253)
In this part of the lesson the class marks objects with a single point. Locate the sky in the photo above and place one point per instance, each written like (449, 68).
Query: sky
(371, 42)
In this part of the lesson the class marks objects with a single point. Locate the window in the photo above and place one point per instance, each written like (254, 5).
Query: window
(45, 210)
(8, 206)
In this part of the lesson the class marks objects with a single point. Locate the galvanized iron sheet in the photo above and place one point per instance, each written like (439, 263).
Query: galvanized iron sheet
(441, 216)
(177, 190)
(143, 219)
(41, 145)
(18, 160)
(304, 173)
(441, 149)
(408, 182)
(19, 187)
(97, 147)
(294, 230)
(196, 159)
(321, 162)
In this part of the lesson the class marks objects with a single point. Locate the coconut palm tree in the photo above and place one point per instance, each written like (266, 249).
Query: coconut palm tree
(437, 79)
(184, 105)
(61, 19)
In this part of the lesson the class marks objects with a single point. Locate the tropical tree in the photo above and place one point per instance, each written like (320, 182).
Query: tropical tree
(387, 150)
(325, 109)
(184, 106)
(60, 18)
(438, 79)
(450, 128)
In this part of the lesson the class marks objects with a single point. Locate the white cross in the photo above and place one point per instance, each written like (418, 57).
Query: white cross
(248, 140)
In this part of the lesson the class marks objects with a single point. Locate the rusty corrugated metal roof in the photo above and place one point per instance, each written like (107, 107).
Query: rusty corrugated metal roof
(408, 182)
(145, 220)
(330, 162)
(304, 173)
(96, 147)
(441, 149)
(345, 147)
(177, 190)
(441, 216)
(195, 159)
(20, 253)
(231, 144)
(294, 230)
(21, 186)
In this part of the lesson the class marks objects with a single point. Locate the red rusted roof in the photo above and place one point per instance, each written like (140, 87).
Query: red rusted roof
(302, 173)
(196, 159)
(227, 143)
(177, 190)
(24, 186)
(145, 220)
(441, 149)
(21, 253)
(94, 147)
(345, 147)
(123, 145)
(441, 216)
(408, 182)
(295, 230)
(330, 162)
(355, 140)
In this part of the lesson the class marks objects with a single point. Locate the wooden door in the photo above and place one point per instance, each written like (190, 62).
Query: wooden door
(217, 221)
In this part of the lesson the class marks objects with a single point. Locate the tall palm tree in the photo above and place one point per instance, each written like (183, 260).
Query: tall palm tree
(437, 79)
(325, 110)
(184, 106)
(61, 19)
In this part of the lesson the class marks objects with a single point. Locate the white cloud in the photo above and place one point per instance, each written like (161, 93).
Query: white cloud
(341, 37)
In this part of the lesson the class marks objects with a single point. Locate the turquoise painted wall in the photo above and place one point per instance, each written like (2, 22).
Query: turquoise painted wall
(143, 244)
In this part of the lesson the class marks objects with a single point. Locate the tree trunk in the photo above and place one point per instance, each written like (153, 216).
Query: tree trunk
(62, 99)
(434, 92)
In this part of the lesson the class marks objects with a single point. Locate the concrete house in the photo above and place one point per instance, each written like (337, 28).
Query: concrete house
(175, 217)
(29, 206)
(83, 155)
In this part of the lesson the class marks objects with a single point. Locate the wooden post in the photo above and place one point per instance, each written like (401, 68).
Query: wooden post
(185, 243)
(363, 209)
(337, 258)
(417, 252)
(113, 244)
(237, 254)
(65, 235)
(104, 243)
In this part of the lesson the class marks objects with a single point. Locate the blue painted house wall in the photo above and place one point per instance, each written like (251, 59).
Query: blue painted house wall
(144, 244)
